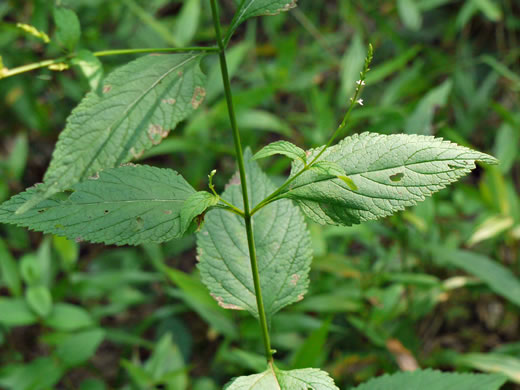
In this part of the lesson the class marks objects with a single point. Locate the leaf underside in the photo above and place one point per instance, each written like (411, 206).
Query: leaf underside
(139, 104)
(127, 205)
(434, 380)
(388, 173)
(251, 8)
(282, 244)
(274, 379)
(281, 147)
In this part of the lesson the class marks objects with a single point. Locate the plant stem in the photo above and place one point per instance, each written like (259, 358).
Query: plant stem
(44, 64)
(242, 171)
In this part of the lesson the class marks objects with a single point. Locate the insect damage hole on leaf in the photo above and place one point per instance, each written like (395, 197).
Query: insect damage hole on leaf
(397, 176)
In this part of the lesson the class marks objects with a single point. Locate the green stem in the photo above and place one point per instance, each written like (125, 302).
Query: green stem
(242, 171)
(44, 64)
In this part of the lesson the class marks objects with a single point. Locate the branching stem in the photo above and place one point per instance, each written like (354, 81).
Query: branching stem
(46, 63)
(243, 181)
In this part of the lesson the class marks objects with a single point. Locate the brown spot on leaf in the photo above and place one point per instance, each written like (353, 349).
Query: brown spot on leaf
(95, 176)
(107, 88)
(135, 154)
(170, 101)
(294, 279)
(224, 305)
(156, 133)
(167, 212)
(198, 97)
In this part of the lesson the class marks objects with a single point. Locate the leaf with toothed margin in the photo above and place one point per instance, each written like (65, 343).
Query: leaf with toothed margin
(434, 380)
(281, 147)
(251, 8)
(131, 204)
(275, 379)
(282, 245)
(387, 173)
(139, 104)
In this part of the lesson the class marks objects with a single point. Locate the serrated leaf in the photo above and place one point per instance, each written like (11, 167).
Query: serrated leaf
(68, 29)
(125, 205)
(282, 244)
(251, 8)
(391, 172)
(141, 102)
(281, 147)
(274, 379)
(434, 380)
(195, 205)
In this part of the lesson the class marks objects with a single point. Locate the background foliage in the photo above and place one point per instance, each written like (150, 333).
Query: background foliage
(434, 286)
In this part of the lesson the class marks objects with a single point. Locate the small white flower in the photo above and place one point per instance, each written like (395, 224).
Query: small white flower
(360, 102)
(360, 82)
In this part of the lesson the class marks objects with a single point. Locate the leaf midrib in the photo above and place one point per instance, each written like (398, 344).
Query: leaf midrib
(124, 114)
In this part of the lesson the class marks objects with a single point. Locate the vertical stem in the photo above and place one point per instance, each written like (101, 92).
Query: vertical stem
(242, 171)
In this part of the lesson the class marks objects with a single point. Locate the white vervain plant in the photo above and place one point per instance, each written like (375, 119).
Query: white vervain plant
(254, 248)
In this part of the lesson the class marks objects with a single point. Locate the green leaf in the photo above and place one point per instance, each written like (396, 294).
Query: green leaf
(68, 29)
(422, 118)
(282, 242)
(435, 380)
(9, 270)
(281, 147)
(499, 278)
(311, 352)
(251, 8)
(91, 67)
(141, 102)
(165, 360)
(194, 206)
(410, 14)
(30, 269)
(15, 312)
(492, 362)
(39, 300)
(39, 374)
(125, 205)
(187, 22)
(75, 349)
(351, 64)
(390, 172)
(193, 293)
(68, 317)
(274, 379)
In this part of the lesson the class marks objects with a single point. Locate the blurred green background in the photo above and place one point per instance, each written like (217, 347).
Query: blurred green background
(434, 286)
